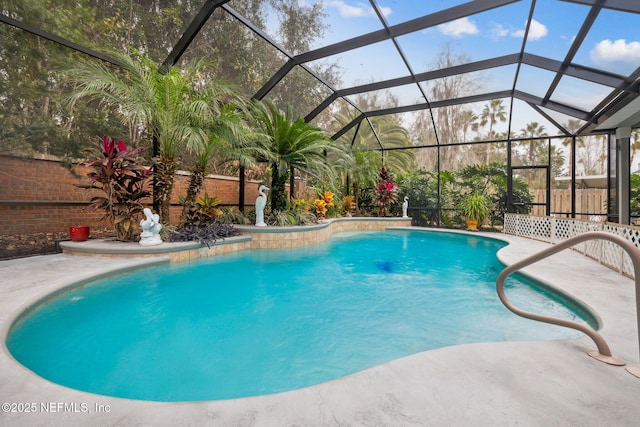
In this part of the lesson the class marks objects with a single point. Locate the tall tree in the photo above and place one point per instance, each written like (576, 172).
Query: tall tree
(173, 106)
(491, 114)
(292, 144)
(532, 130)
(358, 168)
(469, 122)
(450, 120)
(32, 93)
(572, 126)
(385, 133)
(229, 139)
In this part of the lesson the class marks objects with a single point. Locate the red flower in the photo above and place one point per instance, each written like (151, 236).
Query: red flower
(122, 146)
(109, 145)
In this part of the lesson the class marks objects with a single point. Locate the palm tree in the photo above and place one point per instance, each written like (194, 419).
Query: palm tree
(361, 166)
(229, 138)
(572, 126)
(392, 135)
(170, 105)
(291, 144)
(532, 130)
(469, 121)
(361, 162)
(491, 114)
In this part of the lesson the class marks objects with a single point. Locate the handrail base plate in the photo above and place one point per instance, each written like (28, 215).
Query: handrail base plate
(633, 370)
(611, 360)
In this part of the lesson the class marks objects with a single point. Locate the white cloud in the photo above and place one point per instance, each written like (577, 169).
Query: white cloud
(458, 27)
(360, 9)
(619, 50)
(497, 31)
(536, 31)
(386, 11)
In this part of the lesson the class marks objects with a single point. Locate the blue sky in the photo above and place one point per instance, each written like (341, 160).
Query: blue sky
(613, 43)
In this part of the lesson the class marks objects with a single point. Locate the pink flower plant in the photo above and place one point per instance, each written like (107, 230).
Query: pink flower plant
(385, 193)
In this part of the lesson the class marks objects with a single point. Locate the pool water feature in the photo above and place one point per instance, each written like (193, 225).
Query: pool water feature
(261, 322)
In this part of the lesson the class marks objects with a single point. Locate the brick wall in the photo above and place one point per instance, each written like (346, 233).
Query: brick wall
(40, 195)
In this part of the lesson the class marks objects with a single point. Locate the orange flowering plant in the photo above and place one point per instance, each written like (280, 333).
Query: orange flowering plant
(321, 207)
(349, 204)
(323, 203)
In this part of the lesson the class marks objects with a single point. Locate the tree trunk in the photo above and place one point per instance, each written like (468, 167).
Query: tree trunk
(195, 184)
(278, 189)
(165, 170)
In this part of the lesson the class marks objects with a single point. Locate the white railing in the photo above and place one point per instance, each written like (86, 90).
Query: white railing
(554, 230)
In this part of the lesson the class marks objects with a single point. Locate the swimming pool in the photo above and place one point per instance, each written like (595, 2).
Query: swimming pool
(268, 321)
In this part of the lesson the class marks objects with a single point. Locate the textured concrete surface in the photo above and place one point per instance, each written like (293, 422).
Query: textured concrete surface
(551, 383)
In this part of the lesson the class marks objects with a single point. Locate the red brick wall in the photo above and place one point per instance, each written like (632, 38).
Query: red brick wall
(41, 195)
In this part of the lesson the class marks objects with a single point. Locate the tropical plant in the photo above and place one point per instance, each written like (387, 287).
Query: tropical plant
(205, 209)
(321, 207)
(207, 234)
(291, 144)
(171, 104)
(227, 137)
(117, 172)
(475, 207)
(231, 215)
(348, 205)
(492, 180)
(324, 203)
(421, 188)
(297, 213)
(521, 198)
(385, 193)
(359, 169)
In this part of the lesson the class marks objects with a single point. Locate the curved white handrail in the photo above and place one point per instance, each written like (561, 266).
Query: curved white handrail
(603, 353)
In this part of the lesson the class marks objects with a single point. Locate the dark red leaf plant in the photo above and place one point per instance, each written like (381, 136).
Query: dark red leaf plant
(385, 193)
(122, 178)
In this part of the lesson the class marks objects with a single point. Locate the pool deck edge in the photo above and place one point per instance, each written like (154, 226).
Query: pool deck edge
(553, 383)
(251, 237)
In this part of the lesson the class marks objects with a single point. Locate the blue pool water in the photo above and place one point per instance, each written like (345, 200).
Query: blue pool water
(261, 322)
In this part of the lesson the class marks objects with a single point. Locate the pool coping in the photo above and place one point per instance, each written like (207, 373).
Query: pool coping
(530, 383)
(251, 238)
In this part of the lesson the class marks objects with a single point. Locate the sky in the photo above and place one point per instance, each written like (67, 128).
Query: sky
(613, 44)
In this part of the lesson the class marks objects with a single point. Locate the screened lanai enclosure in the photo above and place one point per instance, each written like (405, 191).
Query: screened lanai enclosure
(533, 101)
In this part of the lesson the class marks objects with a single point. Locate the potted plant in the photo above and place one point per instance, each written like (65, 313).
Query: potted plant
(79, 233)
(475, 208)
(116, 171)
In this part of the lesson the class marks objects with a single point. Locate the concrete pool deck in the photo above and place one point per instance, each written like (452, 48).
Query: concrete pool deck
(551, 383)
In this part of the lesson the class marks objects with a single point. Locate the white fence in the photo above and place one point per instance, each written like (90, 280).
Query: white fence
(553, 230)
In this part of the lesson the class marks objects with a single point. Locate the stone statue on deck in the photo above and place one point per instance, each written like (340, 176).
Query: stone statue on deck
(261, 202)
(150, 229)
